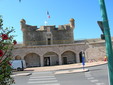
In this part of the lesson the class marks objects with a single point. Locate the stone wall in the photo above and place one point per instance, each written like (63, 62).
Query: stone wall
(41, 36)
(95, 54)
(57, 52)
(22, 51)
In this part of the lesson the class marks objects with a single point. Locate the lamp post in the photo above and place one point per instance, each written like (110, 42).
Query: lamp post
(109, 51)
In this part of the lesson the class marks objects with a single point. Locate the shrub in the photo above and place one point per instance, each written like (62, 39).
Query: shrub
(6, 46)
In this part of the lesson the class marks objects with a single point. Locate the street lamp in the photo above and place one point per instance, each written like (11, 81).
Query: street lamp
(109, 51)
(102, 29)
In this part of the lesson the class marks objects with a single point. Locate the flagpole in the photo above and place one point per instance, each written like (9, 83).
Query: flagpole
(48, 17)
(46, 23)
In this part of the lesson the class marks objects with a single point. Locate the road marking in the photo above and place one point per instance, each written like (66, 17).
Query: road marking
(90, 78)
(100, 84)
(48, 84)
(43, 79)
(94, 80)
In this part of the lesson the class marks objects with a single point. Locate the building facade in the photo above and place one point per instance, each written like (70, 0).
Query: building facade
(49, 46)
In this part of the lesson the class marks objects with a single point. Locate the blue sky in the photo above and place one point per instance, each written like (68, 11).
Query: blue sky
(85, 12)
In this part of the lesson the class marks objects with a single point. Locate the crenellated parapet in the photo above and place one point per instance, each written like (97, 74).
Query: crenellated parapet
(25, 27)
(46, 35)
(71, 25)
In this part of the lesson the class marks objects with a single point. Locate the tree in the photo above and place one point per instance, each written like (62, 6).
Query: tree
(6, 46)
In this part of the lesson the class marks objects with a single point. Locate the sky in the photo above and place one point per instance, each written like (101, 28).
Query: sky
(85, 12)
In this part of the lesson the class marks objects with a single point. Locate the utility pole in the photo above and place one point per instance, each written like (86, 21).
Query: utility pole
(109, 51)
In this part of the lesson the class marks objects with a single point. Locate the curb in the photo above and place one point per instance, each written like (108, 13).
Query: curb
(66, 67)
(79, 67)
(21, 74)
(72, 71)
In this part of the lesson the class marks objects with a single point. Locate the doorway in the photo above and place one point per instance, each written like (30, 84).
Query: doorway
(46, 61)
(49, 41)
(64, 60)
(80, 57)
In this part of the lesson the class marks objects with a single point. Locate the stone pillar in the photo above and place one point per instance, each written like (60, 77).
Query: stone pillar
(41, 61)
(60, 60)
(22, 58)
(86, 56)
(77, 58)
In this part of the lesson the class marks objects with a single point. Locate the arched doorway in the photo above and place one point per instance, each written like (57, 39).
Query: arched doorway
(17, 58)
(81, 54)
(68, 57)
(51, 59)
(80, 57)
(32, 60)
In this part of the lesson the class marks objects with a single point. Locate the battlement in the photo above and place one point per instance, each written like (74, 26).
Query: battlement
(47, 34)
(42, 28)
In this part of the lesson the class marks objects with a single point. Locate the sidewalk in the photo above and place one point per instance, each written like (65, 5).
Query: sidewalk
(61, 67)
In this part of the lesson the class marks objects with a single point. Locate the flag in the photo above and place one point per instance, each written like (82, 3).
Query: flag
(19, 0)
(48, 14)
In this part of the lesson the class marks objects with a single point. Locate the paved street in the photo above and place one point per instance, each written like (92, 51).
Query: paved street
(37, 78)
(95, 76)
(43, 78)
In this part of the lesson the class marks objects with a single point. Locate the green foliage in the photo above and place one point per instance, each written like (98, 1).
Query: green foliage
(6, 47)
